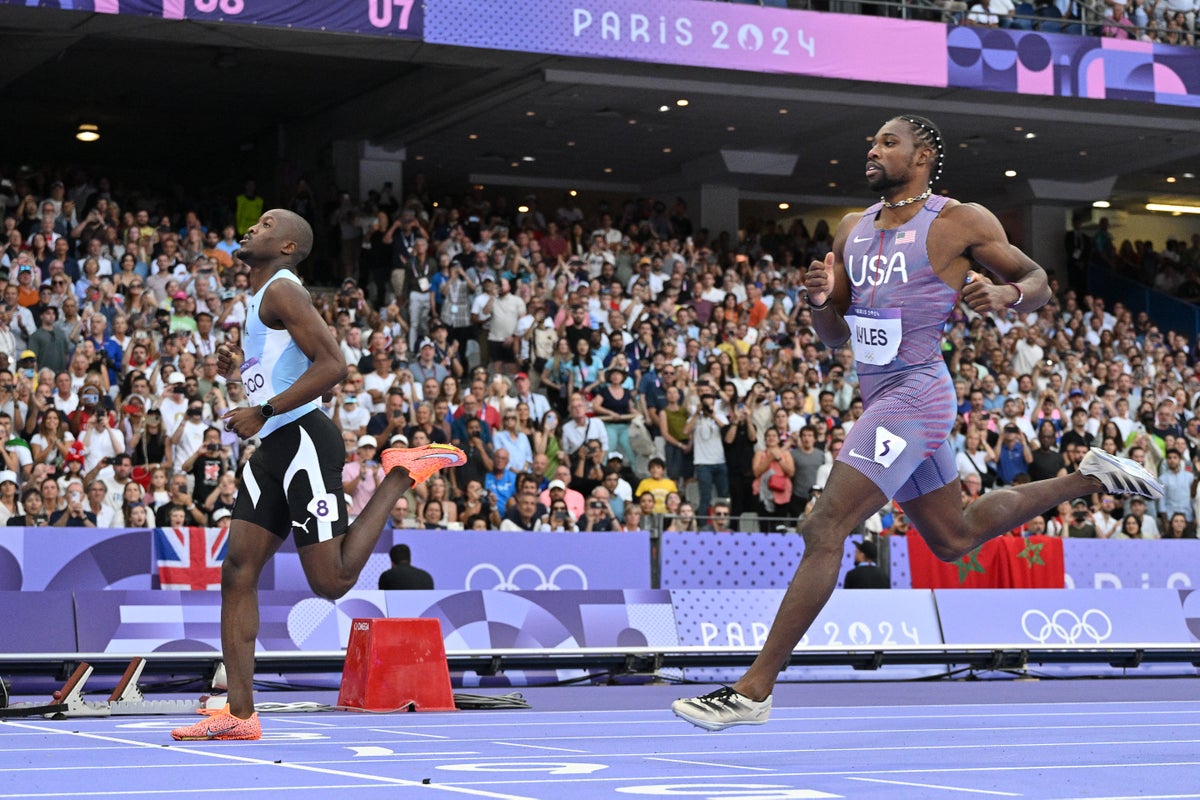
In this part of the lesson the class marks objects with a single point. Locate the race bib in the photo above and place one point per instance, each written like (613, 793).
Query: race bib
(254, 379)
(877, 333)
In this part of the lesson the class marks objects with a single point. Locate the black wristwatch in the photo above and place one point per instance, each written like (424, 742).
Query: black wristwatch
(267, 410)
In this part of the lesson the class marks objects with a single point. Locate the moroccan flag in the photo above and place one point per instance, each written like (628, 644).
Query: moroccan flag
(1006, 562)
(190, 558)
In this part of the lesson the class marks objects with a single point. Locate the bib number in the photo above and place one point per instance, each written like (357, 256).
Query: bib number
(254, 379)
(877, 333)
(324, 507)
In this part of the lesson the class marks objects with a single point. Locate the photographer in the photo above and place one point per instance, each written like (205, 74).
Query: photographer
(558, 520)
(207, 464)
(1080, 525)
(598, 517)
(704, 429)
(455, 311)
(75, 515)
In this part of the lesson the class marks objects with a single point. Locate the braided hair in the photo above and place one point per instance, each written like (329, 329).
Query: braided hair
(925, 131)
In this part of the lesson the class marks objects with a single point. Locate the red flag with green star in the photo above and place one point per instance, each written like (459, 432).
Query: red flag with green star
(1007, 562)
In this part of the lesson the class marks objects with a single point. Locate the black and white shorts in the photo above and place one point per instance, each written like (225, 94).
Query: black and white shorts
(293, 482)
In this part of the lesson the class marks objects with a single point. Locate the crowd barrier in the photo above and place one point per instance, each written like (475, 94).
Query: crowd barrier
(520, 607)
(526, 636)
(33, 559)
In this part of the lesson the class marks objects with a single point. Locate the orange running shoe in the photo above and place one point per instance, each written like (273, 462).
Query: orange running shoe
(421, 462)
(223, 726)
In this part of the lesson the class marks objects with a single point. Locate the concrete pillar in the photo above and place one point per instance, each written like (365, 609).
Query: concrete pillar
(378, 166)
(1044, 227)
(719, 209)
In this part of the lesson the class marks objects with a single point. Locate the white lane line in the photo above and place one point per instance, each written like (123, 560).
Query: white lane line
(706, 764)
(176, 790)
(546, 780)
(201, 751)
(937, 786)
(404, 733)
(60, 768)
(791, 715)
(541, 747)
(1143, 797)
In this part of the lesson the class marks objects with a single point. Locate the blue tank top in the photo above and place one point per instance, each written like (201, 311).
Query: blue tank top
(273, 360)
(898, 304)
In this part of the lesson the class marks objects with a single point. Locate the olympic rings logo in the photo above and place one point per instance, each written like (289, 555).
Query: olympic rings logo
(1066, 627)
(509, 583)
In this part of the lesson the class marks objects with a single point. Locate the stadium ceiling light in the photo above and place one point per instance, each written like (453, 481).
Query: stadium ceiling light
(664, 109)
(784, 206)
(1101, 204)
(1010, 173)
(681, 102)
(1172, 208)
(88, 132)
(1030, 135)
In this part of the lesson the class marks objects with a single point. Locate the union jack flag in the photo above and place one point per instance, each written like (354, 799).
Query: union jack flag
(906, 237)
(190, 558)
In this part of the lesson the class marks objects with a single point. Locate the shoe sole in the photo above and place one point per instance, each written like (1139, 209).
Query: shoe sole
(716, 726)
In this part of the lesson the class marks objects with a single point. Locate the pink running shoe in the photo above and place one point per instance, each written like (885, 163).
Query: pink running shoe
(223, 726)
(421, 462)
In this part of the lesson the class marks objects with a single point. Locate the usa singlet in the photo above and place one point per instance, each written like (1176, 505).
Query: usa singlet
(898, 307)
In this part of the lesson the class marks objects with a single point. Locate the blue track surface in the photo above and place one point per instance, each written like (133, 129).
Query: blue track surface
(1077, 739)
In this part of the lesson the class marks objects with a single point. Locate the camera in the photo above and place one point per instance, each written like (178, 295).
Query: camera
(595, 504)
(212, 448)
(1080, 516)
(560, 515)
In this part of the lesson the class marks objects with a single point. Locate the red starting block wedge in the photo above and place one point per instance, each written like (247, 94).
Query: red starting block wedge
(396, 665)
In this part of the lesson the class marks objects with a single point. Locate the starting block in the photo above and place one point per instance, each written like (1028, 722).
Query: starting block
(126, 699)
(396, 665)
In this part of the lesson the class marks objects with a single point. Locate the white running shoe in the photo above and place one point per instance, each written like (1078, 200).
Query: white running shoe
(718, 710)
(1120, 475)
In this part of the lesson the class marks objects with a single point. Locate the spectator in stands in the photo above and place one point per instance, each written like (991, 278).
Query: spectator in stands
(10, 505)
(1177, 481)
(500, 482)
(1080, 525)
(102, 512)
(34, 515)
(75, 514)
(525, 514)
(361, 477)
(718, 520)
(432, 517)
(398, 518)
(598, 515)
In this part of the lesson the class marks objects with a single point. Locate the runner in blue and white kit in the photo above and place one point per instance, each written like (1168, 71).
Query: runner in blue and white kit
(896, 271)
(293, 482)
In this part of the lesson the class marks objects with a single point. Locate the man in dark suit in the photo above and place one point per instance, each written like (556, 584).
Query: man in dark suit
(403, 575)
(866, 573)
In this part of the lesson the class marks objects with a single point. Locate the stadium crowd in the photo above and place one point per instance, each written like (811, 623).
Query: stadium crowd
(612, 370)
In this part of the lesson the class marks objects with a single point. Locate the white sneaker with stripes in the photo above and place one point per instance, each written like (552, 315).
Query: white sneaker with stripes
(720, 709)
(1120, 475)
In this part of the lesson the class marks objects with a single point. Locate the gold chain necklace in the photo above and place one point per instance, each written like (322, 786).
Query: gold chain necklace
(909, 201)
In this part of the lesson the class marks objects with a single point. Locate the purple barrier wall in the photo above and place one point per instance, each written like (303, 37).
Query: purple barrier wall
(504, 560)
(36, 559)
(1124, 564)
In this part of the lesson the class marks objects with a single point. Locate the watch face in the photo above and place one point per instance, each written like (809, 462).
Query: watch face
(268, 410)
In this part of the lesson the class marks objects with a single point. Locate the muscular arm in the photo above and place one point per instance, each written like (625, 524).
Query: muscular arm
(288, 305)
(828, 284)
(984, 240)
